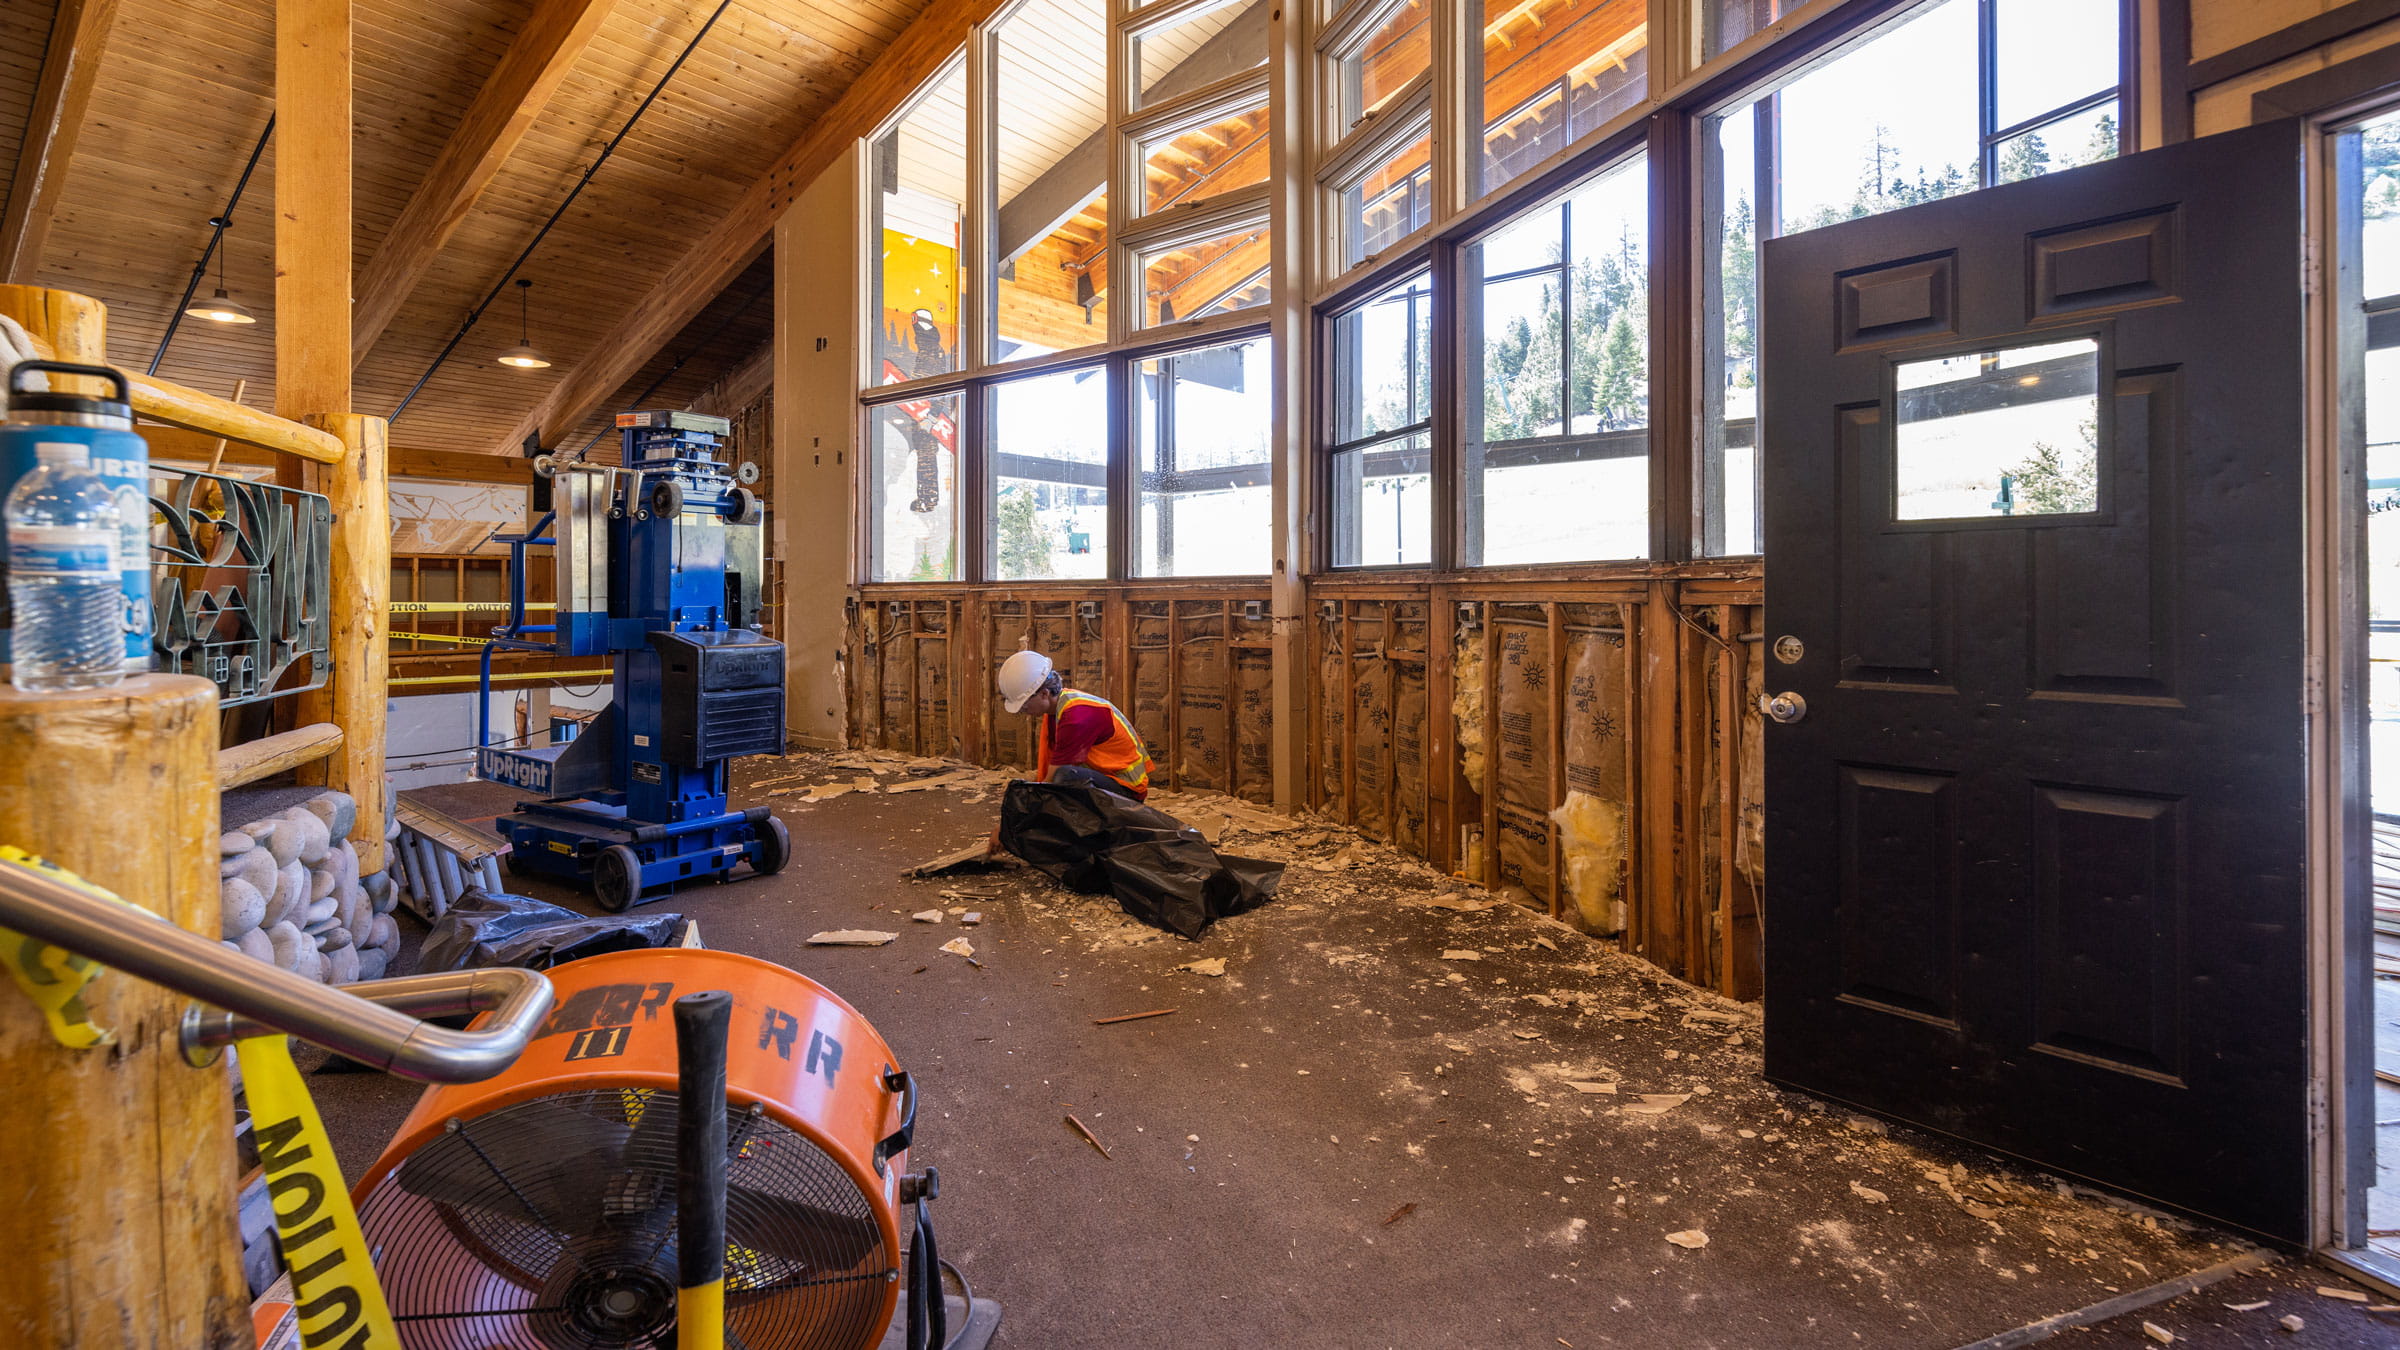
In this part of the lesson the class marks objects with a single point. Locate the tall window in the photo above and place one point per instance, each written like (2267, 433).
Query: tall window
(1557, 438)
(912, 489)
(1048, 514)
(1200, 428)
(1553, 71)
(1956, 95)
(920, 175)
(1379, 472)
(1051, 143)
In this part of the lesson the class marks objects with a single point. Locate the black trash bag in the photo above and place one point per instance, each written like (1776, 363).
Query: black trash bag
(483, 929)
(1159, 869)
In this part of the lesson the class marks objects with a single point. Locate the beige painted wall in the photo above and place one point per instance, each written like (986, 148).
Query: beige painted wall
(2226, 105)
(816, 426)
(2222, 25)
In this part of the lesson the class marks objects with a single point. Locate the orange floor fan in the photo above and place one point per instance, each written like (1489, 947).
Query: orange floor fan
(570, 1204)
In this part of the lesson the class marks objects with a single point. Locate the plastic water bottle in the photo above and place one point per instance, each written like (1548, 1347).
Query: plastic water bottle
(63, 528)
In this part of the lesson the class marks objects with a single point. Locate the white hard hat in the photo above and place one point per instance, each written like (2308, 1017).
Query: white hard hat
(1021, 677)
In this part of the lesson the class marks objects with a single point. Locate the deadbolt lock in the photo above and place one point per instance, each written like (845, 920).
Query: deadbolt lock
(1784, 707)
(1789, 649)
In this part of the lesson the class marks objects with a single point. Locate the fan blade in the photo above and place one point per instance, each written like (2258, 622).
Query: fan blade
(541, 1162)
(794, 1230)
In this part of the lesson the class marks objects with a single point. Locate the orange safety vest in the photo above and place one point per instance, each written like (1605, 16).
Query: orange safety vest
(1120, 755)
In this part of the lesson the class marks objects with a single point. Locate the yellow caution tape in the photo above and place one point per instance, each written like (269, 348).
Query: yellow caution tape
(441, 637)
(514, 675)
(53, 977)
(333, 1276)
(459, 606)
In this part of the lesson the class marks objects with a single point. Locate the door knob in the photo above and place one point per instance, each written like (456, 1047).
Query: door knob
(1784, 707)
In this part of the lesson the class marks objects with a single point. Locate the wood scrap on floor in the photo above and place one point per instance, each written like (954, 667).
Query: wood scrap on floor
(851, 937)
(977, 854)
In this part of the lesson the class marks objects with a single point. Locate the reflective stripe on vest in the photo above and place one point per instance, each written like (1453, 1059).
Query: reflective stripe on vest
(1119, 754)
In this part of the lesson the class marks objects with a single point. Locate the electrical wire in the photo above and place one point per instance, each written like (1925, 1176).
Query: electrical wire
(476, 314)
(222, 221)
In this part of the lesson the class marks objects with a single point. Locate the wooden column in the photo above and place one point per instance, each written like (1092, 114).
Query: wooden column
(121, 1190)
(354, 693)
(71, 327)
(312, 208)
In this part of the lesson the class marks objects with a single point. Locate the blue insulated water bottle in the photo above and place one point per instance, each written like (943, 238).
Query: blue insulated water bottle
(104, 426)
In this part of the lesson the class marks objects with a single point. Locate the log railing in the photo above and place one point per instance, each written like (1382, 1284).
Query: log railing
(344, 733)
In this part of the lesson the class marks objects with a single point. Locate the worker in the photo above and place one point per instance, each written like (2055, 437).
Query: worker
(1081, 738)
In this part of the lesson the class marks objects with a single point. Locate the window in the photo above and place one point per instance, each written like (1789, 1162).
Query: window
(1391, 201)
(1937, 103)
(1395, 52)
(1050, 229)
(1206, 276)
(1998, 433)
(1201, 422)
(1554, 70)
(1379, 480)
(1049, 455)
(1218, 42)
(1192, 165)
(920, 171)
(1724, 23)
(912, 489)
(1557, 442)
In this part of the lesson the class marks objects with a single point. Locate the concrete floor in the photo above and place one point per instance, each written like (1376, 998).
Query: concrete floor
(1352, 1140)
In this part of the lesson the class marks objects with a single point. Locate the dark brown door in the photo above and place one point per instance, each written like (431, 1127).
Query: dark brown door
(2033, 514)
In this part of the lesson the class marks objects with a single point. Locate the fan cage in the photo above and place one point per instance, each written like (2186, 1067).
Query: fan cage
(549, 1224)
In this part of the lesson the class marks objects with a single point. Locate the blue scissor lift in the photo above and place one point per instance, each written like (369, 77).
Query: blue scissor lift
(658, 564)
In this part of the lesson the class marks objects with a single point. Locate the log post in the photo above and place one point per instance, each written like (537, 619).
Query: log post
(122, 1189)
(352, 697)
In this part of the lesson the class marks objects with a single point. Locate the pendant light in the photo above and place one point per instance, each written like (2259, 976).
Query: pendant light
(523, 356)
(220, 307)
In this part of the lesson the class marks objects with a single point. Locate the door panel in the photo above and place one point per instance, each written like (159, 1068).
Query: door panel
(2033, 506)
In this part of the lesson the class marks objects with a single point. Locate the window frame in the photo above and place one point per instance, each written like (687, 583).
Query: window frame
(1133, 472)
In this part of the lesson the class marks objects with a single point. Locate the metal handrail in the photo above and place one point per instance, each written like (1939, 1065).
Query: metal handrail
(377, 1029)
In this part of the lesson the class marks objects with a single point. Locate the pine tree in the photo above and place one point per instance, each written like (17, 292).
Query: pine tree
(2026, 157)
(1738, 268)
(1026, 544)
(2049, 483)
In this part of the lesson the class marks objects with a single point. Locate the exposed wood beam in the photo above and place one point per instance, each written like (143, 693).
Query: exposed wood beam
(456, 466)
(70, 71)
(507, 106)
(740, 387)
(686, 288)
(312, 207)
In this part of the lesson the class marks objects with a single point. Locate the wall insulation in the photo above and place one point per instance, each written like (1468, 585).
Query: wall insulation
(1590, 750)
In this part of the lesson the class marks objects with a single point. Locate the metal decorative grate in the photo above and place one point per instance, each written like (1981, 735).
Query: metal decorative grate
(240, 572)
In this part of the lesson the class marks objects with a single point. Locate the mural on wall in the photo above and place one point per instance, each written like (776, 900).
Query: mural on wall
(431, 517)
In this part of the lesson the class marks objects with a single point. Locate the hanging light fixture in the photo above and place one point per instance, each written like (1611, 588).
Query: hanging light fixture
(523, 356)
(220, 307)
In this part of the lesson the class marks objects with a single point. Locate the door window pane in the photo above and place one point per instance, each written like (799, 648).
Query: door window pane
(1890, 124)
(1201, 50)
(920, 167)
(1206, 276)
(1554, 71)
(912, 490)
(1557, 450)
(1199, 163)
(2014, 432)
(2050, 53)
(1049, 505)
(1729, 280)
(1393, 201)
(1379, 485)
(2077, 139)
(1395, 53)
(1051, 137)
(1201, 421)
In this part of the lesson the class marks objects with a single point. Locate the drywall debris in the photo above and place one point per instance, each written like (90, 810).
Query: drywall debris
(851, 937)
(1462, 954)
(2248, 1307)
(1691, 1239)
(927, 916)
(1452, 900)
(971, 918)
(2347, 1295)
(960, 947)
(1211, 966)
(1585, 1086)
(2291, 1322)
(2158, 1333)
(961, 779)
(977, 854)
(1657, 1103)
(1524, 1034)
(1868, 1194)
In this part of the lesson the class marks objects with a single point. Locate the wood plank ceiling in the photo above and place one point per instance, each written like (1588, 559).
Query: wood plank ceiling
(185, 90)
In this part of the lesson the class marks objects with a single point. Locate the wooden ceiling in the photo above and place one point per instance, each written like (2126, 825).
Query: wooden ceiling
(184, 90)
